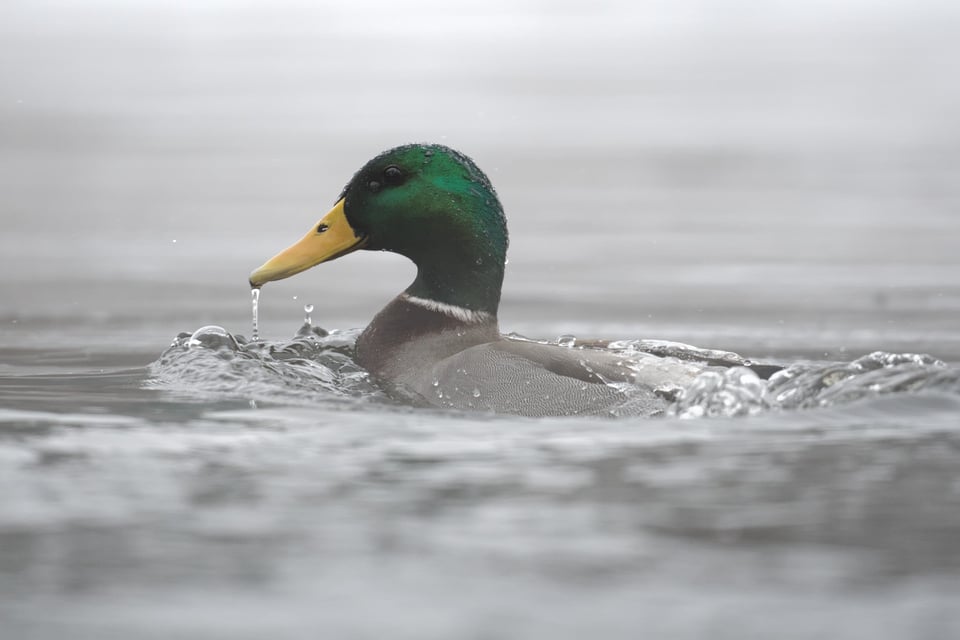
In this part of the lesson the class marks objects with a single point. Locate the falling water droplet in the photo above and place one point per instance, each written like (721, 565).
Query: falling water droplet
(566, 340)
(255, 304)
(307, 310)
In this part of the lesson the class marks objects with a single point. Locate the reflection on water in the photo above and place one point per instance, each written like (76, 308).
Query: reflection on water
(776, 180)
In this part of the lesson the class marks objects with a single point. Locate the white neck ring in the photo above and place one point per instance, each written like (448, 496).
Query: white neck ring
(462, 314)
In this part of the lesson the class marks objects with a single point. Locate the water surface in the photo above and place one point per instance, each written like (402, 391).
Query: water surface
(778, 182)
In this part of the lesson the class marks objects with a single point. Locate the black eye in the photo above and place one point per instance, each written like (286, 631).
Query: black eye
(322, 227)
(392, 175)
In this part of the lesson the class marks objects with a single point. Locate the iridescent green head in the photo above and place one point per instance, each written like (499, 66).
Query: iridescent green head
(426, 202)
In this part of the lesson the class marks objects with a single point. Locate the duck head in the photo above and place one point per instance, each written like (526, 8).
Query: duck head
(423, 201)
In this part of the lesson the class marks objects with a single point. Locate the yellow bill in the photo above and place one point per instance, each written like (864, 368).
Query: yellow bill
(330, 238)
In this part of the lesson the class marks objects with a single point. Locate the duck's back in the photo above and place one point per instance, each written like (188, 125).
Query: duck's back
(533, 380)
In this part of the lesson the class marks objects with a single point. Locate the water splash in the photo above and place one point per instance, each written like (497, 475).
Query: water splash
(211, 337)
(680, 351)
(739, 391)
(803, 385)
(693, 382)
(255, 307)
(730, 392)
(212, 363)
(567, 340)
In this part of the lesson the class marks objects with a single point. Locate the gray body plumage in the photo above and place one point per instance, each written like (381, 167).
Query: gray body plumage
(444, 361)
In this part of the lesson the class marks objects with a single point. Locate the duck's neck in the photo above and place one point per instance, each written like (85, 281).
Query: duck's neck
(412, 329)
(460, 279)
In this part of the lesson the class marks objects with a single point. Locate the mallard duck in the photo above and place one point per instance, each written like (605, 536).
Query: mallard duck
(438, 343)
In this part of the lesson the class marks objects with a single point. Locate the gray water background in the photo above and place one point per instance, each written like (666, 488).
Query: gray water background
(775, 178)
